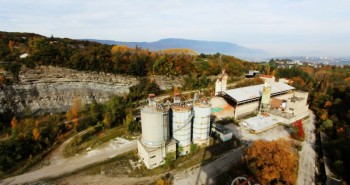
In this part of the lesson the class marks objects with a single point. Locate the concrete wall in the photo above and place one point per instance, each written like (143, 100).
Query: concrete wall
(154, 157)
(246, 109)
(283, 96)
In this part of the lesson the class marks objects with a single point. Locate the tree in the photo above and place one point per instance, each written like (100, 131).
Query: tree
(107, 120)
(14, 127)
(170, 159)
(273, 162)
(36, 134)
(131, 125)
(73, 113)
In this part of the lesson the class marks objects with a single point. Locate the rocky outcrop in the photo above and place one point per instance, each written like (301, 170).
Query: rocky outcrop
(168, 82)
(52, 89)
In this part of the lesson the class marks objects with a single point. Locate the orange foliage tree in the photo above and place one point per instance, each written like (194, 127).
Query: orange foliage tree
(273, 161)
(73, 113)
(36, 134)
(14, 127)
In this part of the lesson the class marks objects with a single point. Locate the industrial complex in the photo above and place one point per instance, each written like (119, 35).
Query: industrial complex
(174, 127)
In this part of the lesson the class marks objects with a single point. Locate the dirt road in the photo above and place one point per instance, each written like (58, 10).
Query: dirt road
(64, 166)
(205, 174)
(307, 155)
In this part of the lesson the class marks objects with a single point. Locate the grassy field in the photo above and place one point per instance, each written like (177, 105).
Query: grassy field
(81, 143)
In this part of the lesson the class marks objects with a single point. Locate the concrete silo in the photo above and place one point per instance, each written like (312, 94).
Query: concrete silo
(265, 98)
(181, 127)
(155, 142)
(201, 122)
(155, 126)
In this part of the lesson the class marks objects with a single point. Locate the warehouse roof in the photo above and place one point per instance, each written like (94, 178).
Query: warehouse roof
(260, 123)
(245, 94)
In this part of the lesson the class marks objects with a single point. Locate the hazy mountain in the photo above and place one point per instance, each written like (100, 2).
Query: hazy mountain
(208, 47)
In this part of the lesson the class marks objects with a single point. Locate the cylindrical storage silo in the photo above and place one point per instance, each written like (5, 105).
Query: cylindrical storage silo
(155, 126)
(182, 125)
(201, 122)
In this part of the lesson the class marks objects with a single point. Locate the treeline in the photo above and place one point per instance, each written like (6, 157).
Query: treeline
(90, 56)
(329, 89)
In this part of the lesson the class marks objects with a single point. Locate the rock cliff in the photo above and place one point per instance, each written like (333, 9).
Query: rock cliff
(52, 89)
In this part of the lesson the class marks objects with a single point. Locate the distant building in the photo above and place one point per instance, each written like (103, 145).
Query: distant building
(267, 78)
(286, 80)
(251, 74)
(24, 55)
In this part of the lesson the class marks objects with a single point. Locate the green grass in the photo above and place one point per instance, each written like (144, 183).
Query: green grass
(93, 141)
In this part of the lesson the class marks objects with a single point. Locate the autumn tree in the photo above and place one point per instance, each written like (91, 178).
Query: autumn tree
(14, 126)
(36, 134)
(73, 113)
(2, 79)
(107, 120)
(273, 162)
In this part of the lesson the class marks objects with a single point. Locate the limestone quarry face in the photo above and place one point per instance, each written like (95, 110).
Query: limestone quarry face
(52, 89)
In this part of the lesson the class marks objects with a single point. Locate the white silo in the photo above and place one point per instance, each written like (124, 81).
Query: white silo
(201, 122)
(181, 127)
(155, 126)
(265, 98)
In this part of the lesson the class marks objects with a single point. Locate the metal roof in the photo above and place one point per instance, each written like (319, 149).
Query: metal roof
(243, 94)
(260, 123)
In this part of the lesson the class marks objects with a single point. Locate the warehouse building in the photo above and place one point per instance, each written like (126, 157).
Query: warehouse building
(246, 100)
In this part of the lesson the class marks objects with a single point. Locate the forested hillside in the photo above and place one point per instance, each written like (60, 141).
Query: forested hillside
(91, 56)
(329, 89)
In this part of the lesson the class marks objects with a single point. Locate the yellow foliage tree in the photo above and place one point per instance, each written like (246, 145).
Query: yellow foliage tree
(273, 161)
(107, 119)
(36, 134)
(73, 113)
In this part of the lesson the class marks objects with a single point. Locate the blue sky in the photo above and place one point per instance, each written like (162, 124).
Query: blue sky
(280, 27)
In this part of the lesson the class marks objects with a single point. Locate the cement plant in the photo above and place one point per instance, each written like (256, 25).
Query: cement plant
(171, 127)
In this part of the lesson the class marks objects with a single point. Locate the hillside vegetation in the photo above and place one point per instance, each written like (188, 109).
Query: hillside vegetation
(91, 56)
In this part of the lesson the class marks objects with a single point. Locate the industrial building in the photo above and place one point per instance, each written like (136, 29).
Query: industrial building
(260, 123)
(221, 83)
(172, 127)
(155, 142)
(274, 102)
(222, 132)
(246, 100)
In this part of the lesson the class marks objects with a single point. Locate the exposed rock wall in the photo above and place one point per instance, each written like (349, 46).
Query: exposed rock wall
(52, 89)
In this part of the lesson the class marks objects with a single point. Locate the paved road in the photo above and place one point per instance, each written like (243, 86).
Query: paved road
(71, 164)
(205, 174)
(307, 155)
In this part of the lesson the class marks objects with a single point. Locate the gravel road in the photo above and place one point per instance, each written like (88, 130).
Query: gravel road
(205, 174)
(307, 155)
(63, 166)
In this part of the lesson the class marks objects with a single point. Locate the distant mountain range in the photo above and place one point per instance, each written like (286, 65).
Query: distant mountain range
(207, 47)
